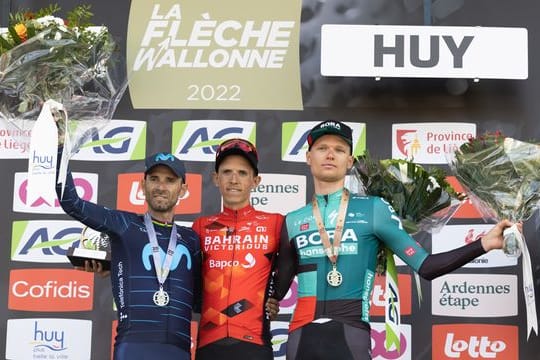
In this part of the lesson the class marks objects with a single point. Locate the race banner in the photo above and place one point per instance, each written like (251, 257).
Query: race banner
(201, 54)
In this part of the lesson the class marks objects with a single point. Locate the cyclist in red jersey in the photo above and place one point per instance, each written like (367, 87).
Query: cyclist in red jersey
(239, 245)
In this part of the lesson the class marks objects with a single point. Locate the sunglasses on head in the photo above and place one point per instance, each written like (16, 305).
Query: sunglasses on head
(241, 144)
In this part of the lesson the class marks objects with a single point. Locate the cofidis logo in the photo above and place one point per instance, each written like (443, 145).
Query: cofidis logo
(294, 139)
(118, 140)
(130, 195)
(197, 140)
(66, 339)
(85, 183)
(475, 341)
(44, 241)
(50, 290)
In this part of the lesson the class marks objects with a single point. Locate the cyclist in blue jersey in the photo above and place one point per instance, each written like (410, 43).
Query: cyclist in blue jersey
(331, 319)
(154, 307)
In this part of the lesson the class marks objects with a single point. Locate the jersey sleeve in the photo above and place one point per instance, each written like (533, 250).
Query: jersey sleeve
(388, 228)
(286, 265)
(92, 215)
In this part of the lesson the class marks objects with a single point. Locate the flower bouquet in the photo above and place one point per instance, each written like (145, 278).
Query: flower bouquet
(501, 175)
(67, 61)
(423, 200)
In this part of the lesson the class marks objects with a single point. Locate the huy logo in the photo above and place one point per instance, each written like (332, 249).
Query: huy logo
(118, 140)
(50, 290)
(44, 241)
(85, 183)
(41, 162)
(475, 341)
(48, 339)
(130, 195)
(294, 139)
(197, 140)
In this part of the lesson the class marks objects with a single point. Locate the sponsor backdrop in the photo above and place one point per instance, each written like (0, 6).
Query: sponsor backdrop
(203, 71)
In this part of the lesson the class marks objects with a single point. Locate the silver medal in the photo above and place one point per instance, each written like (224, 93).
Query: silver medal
(161, 298)
(334, 277)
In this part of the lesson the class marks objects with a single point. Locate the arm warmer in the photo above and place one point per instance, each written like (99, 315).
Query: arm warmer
(443, 263)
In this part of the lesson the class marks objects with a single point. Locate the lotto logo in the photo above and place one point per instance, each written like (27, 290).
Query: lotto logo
(378, 301)
(130, 195)
(474, 341)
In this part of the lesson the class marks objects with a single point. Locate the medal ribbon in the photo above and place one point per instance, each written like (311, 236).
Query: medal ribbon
(162, 270)
(331, 251)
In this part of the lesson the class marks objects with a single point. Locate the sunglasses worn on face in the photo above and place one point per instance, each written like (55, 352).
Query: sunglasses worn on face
(241, 144)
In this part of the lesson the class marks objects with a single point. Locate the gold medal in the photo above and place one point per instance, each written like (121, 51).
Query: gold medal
(334, 277)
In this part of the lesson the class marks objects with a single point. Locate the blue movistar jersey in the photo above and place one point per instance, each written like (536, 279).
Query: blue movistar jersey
(369, 223)
(133, 275)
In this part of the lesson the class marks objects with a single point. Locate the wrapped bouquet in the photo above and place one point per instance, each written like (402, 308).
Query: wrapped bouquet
(502, 177)
(423, 200)
(53, 68)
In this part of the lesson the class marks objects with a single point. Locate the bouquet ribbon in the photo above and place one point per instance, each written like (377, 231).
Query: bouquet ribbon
(42, 156)
(528, 282)
(392, 317)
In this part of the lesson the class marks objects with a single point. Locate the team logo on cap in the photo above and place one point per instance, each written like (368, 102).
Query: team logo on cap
(164, 157)
(332, 124)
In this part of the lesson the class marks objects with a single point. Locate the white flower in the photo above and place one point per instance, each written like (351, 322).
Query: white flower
(50, 20)
(434, 184)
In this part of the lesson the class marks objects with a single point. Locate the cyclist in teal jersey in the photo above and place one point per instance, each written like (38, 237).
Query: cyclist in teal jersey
(331, 319)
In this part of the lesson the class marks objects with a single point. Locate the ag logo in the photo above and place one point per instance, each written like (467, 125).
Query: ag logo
(198, 140)
(44, 241)
(294, 139)
(117, 141)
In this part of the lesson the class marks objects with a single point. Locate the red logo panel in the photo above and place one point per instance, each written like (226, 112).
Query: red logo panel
(405, 294)
(55, 290)
(466, 210)
(130, 195)
(475, 341)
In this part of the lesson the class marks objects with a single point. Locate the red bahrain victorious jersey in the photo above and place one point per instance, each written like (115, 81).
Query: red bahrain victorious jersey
(239, 248)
